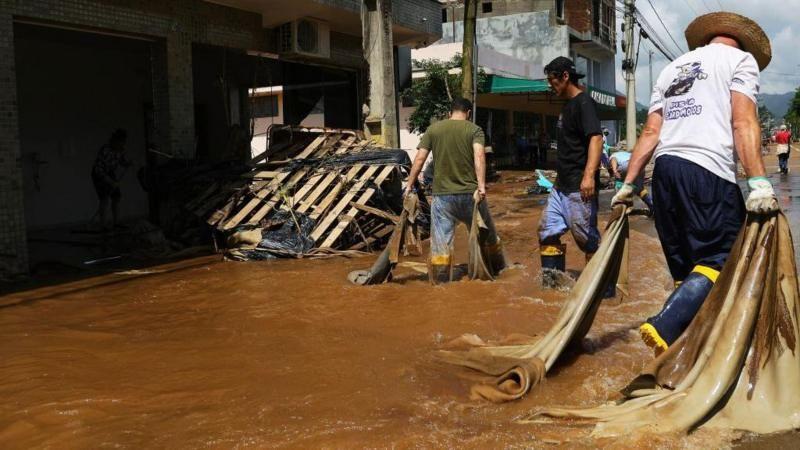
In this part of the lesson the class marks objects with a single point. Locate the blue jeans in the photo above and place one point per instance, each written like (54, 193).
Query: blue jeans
(568, 212)
(447, 210)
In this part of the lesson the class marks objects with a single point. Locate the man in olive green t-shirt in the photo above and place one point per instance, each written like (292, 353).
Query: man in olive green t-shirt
(459, 176)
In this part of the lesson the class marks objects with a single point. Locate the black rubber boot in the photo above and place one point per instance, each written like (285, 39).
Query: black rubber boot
(661, 330)
(439, 273)
(554, 264)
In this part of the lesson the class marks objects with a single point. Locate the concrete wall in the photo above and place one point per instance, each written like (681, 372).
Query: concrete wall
(527, 36)
(13, 241)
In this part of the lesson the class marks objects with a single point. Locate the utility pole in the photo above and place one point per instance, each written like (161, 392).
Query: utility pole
(468, 53)
(378, 47)
(650, 52)
(629, 68)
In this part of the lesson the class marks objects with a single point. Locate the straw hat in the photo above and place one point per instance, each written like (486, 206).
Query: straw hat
(750, 36)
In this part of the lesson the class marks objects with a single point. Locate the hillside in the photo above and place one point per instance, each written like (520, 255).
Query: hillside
(777, 104)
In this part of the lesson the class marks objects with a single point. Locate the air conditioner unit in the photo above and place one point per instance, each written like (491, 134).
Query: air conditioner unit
(306, 37)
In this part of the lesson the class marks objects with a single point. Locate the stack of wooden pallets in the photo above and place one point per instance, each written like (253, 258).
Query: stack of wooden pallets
(339, 198)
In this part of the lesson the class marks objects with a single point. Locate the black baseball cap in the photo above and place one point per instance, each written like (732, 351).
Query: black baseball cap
(562, 64)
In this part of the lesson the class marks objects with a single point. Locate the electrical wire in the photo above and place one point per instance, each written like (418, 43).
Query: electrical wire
(665, 27)
(691, 7)
(654, 37)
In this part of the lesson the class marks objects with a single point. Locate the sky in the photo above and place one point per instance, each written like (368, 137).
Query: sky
(780, 19)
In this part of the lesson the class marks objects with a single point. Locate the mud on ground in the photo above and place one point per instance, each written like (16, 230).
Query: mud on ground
(288, 354)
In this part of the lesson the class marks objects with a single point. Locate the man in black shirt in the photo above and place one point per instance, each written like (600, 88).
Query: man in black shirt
(572, 205)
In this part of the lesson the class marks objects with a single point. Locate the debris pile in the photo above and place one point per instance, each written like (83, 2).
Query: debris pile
(314, 192)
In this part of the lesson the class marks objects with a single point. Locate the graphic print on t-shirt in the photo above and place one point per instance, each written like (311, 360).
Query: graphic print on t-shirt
(681, 85)
(685, 80)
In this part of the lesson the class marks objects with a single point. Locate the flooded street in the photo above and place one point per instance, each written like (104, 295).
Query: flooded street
(288, 354)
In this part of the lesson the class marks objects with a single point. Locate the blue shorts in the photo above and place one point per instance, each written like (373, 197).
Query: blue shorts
(698, 215)
(568, 212)
(447, 210)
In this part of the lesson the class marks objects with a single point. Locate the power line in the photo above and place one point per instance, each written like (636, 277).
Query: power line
(654, 37)
(691, 7)
(665, 27)
(706, 5)
(721, 8)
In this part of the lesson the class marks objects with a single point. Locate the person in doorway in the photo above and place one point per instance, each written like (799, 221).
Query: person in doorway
(544, 146)
(783, 138)
(572, 204)
(619, 169)
(107, 171)
(459, 167)
(702, 115)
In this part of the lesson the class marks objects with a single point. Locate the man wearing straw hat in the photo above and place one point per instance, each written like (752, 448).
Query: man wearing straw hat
(702, 118)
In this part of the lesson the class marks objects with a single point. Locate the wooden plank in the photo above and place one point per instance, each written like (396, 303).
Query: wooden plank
(274, 185)
(295, 178)
(330, 178)
(377, 212)
(298, 196)
(380, 234)
(261, 174)
(351, 175)
(365, 196)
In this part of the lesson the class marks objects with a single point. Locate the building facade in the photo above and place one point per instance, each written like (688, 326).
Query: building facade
(516, 39)
(177, 75)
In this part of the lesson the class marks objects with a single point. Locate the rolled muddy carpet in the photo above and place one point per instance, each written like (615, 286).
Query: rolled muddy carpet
(513, 370)
(737, 365)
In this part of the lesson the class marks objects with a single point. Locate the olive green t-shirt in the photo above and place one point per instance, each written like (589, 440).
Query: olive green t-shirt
(453, 158)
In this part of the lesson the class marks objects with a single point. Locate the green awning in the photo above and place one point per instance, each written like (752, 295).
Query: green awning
(505, 85)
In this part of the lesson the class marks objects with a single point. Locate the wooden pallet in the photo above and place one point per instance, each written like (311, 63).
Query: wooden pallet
(335, 197)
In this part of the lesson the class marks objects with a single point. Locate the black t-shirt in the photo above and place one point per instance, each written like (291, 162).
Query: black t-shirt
(578, 123)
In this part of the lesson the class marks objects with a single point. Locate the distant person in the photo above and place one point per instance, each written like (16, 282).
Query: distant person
(783, 138)
(605, 156)
(619, 168)
(459, 167)
(107, 171)
(544, 146)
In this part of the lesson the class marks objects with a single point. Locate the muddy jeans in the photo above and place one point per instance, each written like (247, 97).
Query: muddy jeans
(447, 210)
(568, 212)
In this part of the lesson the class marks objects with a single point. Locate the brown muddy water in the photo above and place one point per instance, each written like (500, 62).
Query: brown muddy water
(287, 354)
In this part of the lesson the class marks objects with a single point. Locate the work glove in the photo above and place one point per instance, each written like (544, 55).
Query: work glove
(624, 195)
(762, 198)
(618, 185)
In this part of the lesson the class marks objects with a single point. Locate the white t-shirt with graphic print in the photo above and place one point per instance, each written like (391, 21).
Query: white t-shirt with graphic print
(694, 96)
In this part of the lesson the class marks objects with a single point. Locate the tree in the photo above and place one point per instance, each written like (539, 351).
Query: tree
(765, 116)
(431, 95)
(792, 116)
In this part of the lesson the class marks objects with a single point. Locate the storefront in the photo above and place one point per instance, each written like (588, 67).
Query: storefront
(520, 118)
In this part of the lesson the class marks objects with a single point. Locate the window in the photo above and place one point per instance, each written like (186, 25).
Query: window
(486, 7)
(265, 106)
(560, 9)
(444, 15)
(584, 65)
(603, 21)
